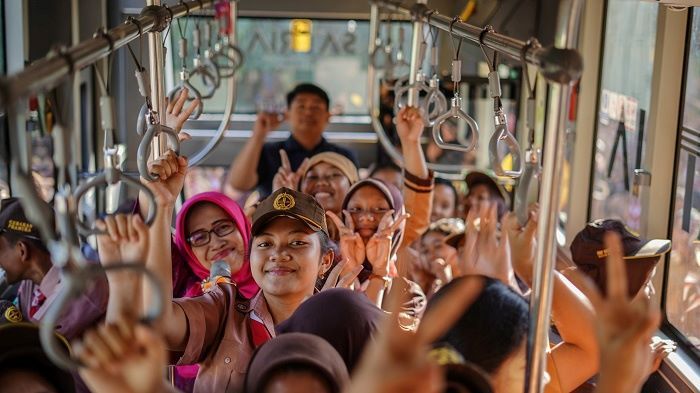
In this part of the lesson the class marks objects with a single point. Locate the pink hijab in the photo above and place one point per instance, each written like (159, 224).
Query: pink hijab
(188, 272)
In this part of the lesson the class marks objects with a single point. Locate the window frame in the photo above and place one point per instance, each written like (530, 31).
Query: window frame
(666, 325)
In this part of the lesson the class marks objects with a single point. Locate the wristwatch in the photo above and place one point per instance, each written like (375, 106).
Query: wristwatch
(386, 279)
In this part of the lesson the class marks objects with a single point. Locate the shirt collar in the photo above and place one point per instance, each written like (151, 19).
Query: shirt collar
(50, 281)
(292, 144)
(261, 312)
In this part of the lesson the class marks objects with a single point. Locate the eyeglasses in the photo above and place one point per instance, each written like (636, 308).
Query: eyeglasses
(203, 237)
(376, 212)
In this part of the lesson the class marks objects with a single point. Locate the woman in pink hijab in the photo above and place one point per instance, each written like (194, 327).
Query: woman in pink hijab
(210, 227)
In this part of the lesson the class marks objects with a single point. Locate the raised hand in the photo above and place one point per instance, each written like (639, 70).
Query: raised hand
(378, 247)
(624, 326)
(352, 248)
(396, 361)
(122, 358)
(285, 176)
(409, 124)
(175, 117)
(484, 254)
(266, 122)
(523, 242)
(340, 277)
(126, 239)
(170, 169)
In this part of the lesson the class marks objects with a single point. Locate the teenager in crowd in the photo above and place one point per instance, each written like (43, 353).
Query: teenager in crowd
(445, 200)
(296, 362)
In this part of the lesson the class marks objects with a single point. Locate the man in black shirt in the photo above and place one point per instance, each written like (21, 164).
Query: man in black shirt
(308, 116)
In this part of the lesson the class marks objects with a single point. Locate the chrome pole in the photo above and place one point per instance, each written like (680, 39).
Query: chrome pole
(156, 63)
(554, 145)
(416, 40)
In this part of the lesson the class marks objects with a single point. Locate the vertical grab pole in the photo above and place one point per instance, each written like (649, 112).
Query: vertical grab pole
(416, 40)
(543, 276)
(156, 64)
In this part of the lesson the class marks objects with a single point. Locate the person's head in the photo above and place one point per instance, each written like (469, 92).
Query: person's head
(296, 363)
(209, 227)
(23, 255)
(589, 253)
(308, 110)
(328, 179)
(389, 173)
(24, 367)
(483, 187)
(444, 200)
(432, 243)
(368, 201)
(347, 335)
(290, 246)
(492, 333)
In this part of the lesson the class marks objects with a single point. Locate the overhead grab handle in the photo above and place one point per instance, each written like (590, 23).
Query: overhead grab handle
(228, 57)
(209, 54)
(501, 134)
(207, 73)
(144, 150)
(419, 86)
(456, 112)
(74, 283)
(533, 156)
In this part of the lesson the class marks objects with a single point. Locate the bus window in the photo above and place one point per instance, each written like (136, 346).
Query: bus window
(275, 61)
(683, 284)
(628, 62)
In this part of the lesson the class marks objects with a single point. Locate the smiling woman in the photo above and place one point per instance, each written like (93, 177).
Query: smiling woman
(328, 179)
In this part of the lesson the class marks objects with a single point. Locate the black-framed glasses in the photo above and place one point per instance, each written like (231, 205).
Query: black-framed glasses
(203, 237)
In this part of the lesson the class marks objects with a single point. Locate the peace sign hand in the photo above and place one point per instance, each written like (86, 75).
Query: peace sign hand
(352, 248)
(397, 360)
(624, 325)
(378, 247)
(285, 177)
(337, 279)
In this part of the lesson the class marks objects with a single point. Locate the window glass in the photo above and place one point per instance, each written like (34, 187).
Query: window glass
(683, 288)
(628, 61)
(335, 58)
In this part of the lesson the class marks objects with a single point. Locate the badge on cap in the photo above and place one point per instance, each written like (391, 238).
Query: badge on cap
(13, 315)
(283, 201)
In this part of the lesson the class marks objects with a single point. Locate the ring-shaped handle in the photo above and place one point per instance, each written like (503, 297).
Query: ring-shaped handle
(144, 150)
(110, 177)
(435, 105)
(400, 83)
(213, 70)
(399, 94)
(141, 120)
(74, 284)
(208, 79)
(502, 135)
(529, 178)
(193, 94)
(464, 145)
(376, 58)
(233, 59)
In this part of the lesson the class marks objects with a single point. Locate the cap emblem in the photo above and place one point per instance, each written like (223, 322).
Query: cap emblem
(13, 315)
(283, 201)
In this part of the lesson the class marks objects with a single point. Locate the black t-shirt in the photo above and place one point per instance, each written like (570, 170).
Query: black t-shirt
(270, 160)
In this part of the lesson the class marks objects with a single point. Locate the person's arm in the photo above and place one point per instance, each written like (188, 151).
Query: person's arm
(409, 126)
(243, 172)
(173, 323)
(575, 359)
(125, 241)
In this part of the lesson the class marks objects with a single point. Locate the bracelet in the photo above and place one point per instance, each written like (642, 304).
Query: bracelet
(386, 279)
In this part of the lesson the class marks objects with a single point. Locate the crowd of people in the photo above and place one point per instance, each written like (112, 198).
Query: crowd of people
(326, 282)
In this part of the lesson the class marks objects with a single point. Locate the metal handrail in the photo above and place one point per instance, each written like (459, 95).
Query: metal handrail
(50, 71)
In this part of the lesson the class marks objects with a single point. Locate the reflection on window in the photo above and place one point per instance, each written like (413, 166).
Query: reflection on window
(628, 61)
(683, 289)
(335, 58)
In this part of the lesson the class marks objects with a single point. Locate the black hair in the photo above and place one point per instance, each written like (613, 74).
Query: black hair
(309, 88)
(491, 329)
(451, 186)
(387, 165)
(298, 368)
(35, 244)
